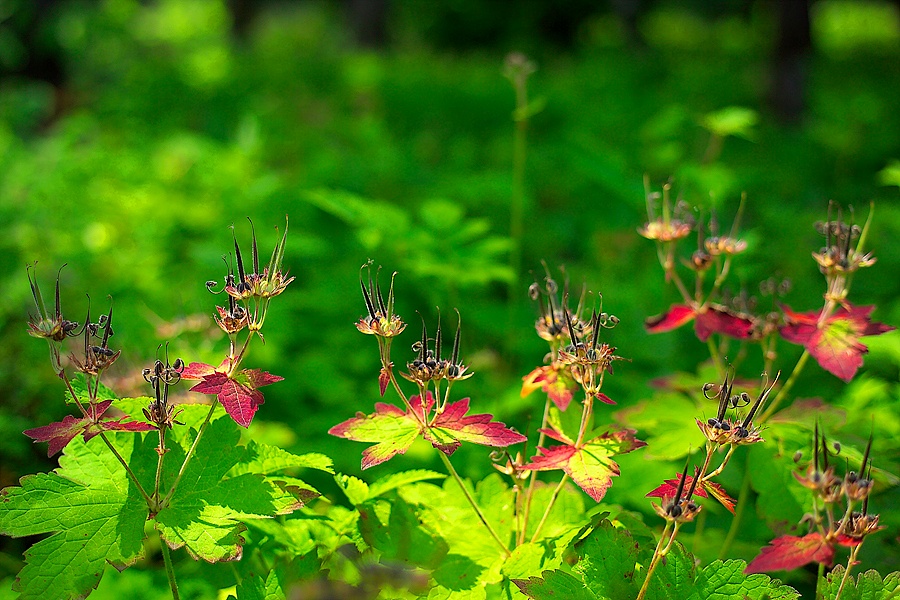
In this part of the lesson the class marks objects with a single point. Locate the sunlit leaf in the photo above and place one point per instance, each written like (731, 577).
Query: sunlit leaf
(790, 552)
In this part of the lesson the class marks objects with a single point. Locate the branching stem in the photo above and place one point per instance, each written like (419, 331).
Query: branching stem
(547, 510)
(128, 470)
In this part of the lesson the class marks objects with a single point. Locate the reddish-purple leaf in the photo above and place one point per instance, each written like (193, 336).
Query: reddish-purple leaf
(257, 378)
(384, 377)
(678, 315)
(197, 370)
(714, 320)
(790, 552)
(238, 394)
(452, 427)
(122, 425)
(707, 320)
(553, 381)
(590, 465)
(59, 434)
(670, 487)
(834, 343)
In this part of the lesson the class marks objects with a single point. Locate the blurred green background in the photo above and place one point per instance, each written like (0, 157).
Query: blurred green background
(134, 134)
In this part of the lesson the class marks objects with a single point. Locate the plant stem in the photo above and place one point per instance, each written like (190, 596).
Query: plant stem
(738, 515)
(657, 554)
(471, 500)
(159, 465)
(520, 539)
(550, 504)
(190, 454)
(820, 579)
(128, 470)
(170, 570)
(850, 562)
(782, 393)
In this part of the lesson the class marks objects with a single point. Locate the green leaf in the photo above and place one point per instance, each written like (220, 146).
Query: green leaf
(554, 585)
(667, 423)
(80, 387)
(731, 120)
(392, 527)
(866, 586)
(607, 559)
(93, 512)
(356, 490)
(395, 480)
(674, 578)
(530, 558)
(255, 588)
(205, 515)
(266, 459)
(780, 498)
(726, 580)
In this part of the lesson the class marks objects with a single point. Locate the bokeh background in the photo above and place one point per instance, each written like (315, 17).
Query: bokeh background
(133, 135)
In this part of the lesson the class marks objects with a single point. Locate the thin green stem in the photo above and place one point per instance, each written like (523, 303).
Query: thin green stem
(657, 554)
(547, 510)
(170, 570)
(472, 502)
(529, 494)
(820, 581)
(721, 467)
(738, 516)
(783, 392)
(190, 454)
(714, 354)
(128, 470)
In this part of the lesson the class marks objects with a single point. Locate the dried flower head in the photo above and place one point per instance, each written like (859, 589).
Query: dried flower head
(380, 319)
(160, 377)
(738, 430)
(680, 508)
(52, 327)
(429, 365)
(551, 324)
(839, 255)
(97, 357)
(670, 225)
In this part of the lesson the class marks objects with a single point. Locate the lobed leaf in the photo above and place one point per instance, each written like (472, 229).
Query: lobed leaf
(834, 343)
(670, 487)
(92, 511)
(790, 552)
(590, 465)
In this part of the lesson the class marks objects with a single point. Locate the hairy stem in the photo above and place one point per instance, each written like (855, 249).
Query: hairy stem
(128, 470)
(190, 454)
(820, 581)
(472, 502)
(161, 451)
(170, 570)
(850, 562)
(657, 554)
(547, 510)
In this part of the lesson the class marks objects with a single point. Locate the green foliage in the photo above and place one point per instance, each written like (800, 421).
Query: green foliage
(868, 585)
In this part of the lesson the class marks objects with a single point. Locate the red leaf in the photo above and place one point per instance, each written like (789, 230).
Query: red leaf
(714, 320)
(59, 434)
(670, 487)
(590, 465)
(707, 320)
(678, 315)
(384, 377)
(197, 370)
(790, 552)
(452, 427)
(238, 394)
(835, 342)
(553, 381)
